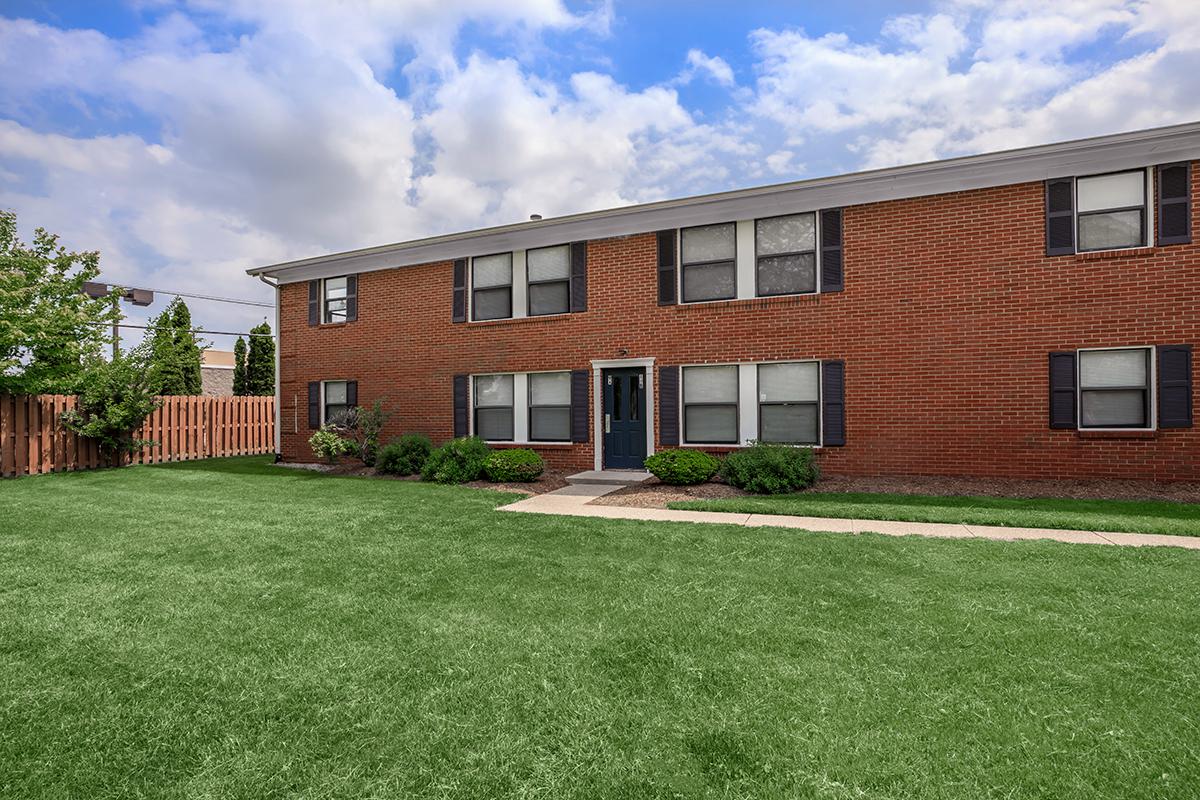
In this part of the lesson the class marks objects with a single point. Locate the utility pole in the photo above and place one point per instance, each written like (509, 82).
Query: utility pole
(139, 297)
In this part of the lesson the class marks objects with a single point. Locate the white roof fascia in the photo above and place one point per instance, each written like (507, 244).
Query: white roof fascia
(1087, 156)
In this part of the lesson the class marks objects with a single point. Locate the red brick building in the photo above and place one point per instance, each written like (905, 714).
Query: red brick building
(1029, 313)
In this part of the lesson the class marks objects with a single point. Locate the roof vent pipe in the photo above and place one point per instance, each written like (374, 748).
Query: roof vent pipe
(535, 217)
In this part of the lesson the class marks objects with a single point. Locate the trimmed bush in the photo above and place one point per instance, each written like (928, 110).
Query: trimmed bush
(770, 468)
(327, 444)
(457, 461)
(682, 467)
(404, 456)
(514, 465)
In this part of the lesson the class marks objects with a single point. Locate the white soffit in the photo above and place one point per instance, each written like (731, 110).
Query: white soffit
(1082, 157)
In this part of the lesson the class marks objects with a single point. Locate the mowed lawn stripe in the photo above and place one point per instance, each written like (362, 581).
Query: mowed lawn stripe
(1132, 516)
(234, 629)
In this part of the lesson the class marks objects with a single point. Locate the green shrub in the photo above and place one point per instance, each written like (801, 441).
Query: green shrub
(327, 444)
(770, 468)
(682, 467)
(518, 464)
(457, 461)
(404, 456)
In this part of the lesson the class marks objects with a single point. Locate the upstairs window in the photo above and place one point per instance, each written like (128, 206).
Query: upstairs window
(788, 402)
(491, 286)
(710, 405)
(337, 291)
(549, 270)
(708, 262)
(786, 254)
(1114, 388)
(1111, 211)
(336, 401)
(494, 407)
(550, 407)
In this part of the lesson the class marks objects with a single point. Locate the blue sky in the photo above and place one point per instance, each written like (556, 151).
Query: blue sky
(190, 140)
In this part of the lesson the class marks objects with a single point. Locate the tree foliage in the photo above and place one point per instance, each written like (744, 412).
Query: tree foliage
(175, 352)
(48, 328)
(260, 362)
(114, 399)
(239, 367)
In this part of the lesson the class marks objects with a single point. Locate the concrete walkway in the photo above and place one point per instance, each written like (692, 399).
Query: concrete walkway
(573, 501)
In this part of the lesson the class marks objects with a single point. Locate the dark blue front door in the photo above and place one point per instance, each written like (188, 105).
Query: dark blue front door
(624, 418)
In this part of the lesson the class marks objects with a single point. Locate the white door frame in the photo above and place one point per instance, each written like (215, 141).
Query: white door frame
(598, 366)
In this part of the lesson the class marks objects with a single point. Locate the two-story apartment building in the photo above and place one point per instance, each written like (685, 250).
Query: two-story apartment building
(1029, 313)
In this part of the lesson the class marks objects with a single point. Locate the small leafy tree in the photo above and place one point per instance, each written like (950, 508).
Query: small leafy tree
(363, 426)
(260, 362)
(239, 367)
(114, 399)
(48, 327)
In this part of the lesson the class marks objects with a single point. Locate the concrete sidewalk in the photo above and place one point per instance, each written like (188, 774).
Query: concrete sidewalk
(573, 501)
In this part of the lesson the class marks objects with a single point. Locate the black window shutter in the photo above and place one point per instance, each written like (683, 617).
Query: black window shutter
(351, 298)
(314, 404)
(314, 302)
(460, 406)
(668, 406)
(578, 277)
(831, 250)
(1062, 389)
(1174, 204)
(666, 267)
(579, 405)
(1174, 386)
(459, 311)
(833, 403)
(1060, 217)
(351, 393)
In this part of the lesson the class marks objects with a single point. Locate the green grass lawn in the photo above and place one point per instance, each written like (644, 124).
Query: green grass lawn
(1134, 516)
(229, 629)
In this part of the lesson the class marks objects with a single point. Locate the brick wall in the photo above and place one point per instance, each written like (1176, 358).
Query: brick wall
(949, 311)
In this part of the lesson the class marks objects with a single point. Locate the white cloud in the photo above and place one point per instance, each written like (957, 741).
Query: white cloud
(698, 63)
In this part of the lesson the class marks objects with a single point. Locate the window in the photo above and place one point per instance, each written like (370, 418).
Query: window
(788, 396)
(786, 254)
(710, 405)
(1114, 388)
(550, 407)
(335, 402)
(707, 261)
(491, 286)
(1111, 210)
(494, 407)
(549, 270)
(336, 291)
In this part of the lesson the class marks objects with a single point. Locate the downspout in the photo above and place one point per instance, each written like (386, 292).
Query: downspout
(278, 349)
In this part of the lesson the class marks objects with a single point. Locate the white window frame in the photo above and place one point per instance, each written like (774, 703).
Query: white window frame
(758, 402)
(521, 419)
(1151, 388)
(748, 399)
(525, 271)
(512, 285)
(325, 300)
(324, 419)
(816, 215)
(737, 406)
(1148, 214)
(746, 260)
(529, 406)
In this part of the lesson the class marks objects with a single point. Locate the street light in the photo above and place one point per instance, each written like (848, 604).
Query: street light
(138, 297)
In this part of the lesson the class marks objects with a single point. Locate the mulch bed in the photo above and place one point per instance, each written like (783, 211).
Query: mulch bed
(654, 494)
(550, 480)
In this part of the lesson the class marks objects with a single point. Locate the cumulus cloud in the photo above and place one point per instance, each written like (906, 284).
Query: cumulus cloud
(232, 133)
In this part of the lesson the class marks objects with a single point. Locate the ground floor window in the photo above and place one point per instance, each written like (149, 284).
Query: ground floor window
(1114, 388)
(710, 404)
(550, 406)
(335, 402)
(494, 407)
(789, 402)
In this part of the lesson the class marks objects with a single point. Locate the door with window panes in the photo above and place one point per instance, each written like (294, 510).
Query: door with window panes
(624, 418)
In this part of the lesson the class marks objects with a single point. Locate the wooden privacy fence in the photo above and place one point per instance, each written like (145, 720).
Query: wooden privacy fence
(33, 439)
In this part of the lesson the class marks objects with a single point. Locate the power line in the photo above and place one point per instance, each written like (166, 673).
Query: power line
(216, 299)
(194, 330)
